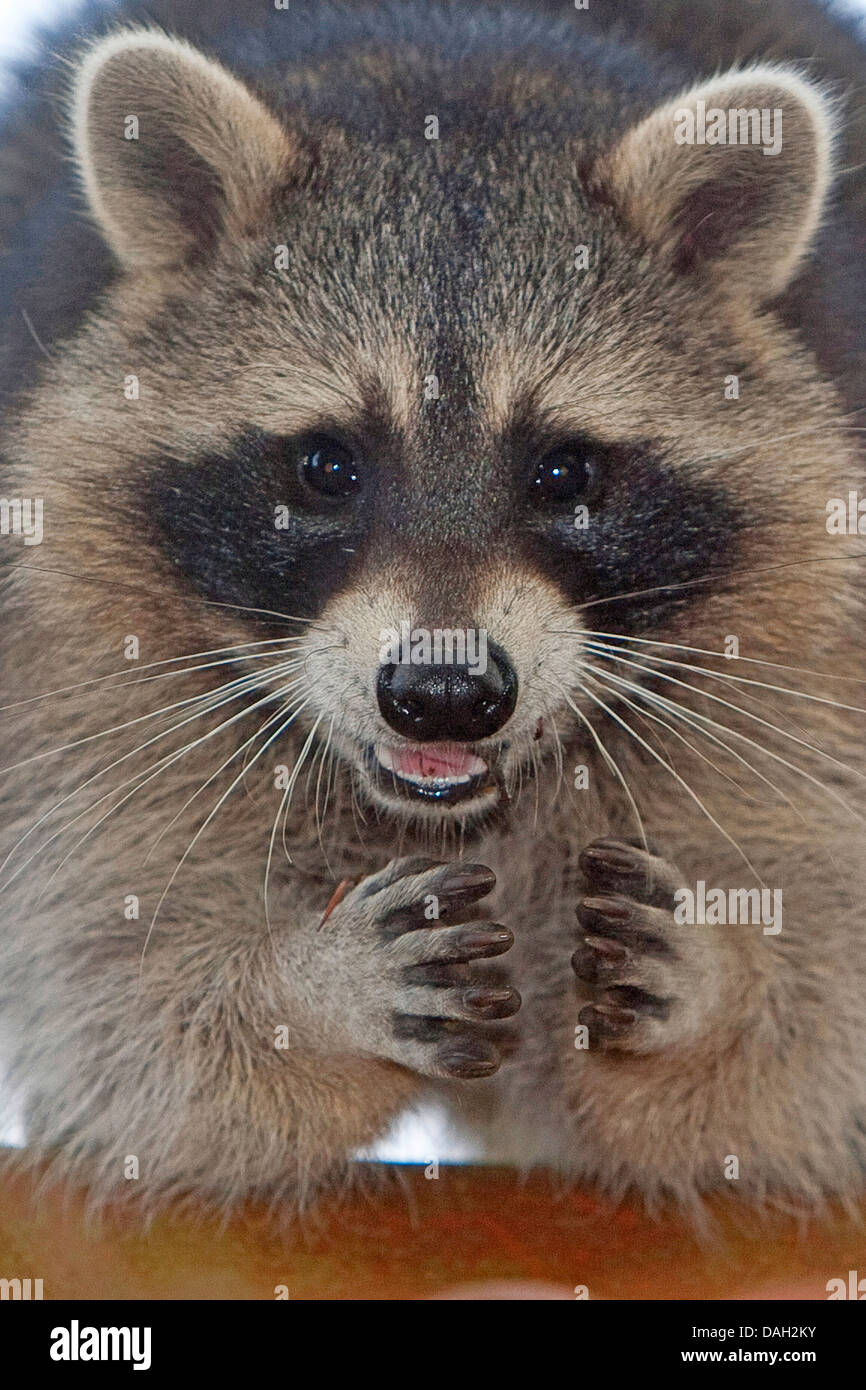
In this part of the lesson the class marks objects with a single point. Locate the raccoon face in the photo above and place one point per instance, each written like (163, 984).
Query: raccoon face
(441, 405)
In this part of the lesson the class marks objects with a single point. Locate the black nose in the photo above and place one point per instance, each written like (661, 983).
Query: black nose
(448, 702)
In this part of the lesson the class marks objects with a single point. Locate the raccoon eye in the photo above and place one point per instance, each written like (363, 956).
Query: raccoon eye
(329, 468)
(564, 474)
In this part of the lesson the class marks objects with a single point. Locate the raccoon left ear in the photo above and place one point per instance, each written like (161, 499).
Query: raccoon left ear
(172, 149)
(731, 177)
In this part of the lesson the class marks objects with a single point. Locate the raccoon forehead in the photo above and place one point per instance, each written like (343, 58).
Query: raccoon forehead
(398, 323)
(409, 265)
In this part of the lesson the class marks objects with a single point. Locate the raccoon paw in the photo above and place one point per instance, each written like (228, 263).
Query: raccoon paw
(641, 972)
(424, 1001)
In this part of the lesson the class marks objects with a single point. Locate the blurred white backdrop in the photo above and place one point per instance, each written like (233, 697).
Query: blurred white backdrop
(416, 1138)
(19, 19)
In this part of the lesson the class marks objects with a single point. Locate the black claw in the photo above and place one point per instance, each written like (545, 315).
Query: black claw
(607, 1021)
(486, 940)
(403, 919)
(604, 912)
(619, 866)
(460, 885)
(469, 1059)
(475, 943)
(456, 887)
(492, 1003)
(638, 1001)
(615, 867)
(610, 854)
(472, 875)
(617, 917)
(610, 951)
(598, 959)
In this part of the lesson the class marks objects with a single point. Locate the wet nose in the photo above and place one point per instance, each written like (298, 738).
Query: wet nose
(439, 703)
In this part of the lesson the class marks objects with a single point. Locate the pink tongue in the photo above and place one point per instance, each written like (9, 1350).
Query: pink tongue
(440, 760)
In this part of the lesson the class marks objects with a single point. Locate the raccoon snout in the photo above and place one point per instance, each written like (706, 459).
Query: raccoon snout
(435, 703)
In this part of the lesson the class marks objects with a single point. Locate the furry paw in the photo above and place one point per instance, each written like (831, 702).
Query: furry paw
(417, 995)
(646, 979)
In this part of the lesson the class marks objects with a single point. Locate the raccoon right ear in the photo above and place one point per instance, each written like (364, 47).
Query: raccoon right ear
(729, 179)
(172, 149)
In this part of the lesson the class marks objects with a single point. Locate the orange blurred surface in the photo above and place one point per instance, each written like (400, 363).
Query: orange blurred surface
(419, 1238)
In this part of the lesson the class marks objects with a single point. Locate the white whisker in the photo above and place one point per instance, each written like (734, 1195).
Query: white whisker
(610, 762)
(247, 744)
(679, 712)
(207, 705)
(717, 699)
(226, 794)
(282, 811)
(735, 733)
(282, 643)
(673, 772)
(728, 675)
(154, 771)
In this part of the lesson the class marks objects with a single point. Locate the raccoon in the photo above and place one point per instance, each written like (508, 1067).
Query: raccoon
(440, 670)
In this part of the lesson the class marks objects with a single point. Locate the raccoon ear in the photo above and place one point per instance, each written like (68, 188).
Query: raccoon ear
(171, 148)
(732, 176)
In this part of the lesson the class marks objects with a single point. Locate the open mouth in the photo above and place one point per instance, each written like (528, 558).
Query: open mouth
(444, 773)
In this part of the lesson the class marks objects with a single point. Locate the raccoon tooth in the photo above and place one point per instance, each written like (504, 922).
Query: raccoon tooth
(418, 778)
(445, 766)
(385, 758)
